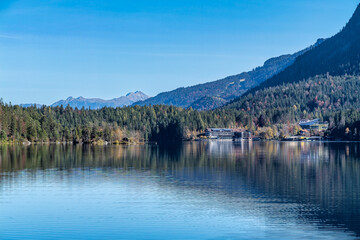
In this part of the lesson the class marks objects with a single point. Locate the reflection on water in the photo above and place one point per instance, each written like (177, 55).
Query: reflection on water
(202, 190)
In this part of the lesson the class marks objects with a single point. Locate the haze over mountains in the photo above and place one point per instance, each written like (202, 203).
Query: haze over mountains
(96, 103)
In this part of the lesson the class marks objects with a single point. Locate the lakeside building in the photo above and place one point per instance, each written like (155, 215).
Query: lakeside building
(315, 124)
(243, 135)
(219, 133)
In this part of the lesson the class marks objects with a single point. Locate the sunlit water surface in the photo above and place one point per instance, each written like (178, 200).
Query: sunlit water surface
(202, 190)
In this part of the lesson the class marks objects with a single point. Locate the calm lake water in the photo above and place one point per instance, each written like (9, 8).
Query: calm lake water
(200, 190)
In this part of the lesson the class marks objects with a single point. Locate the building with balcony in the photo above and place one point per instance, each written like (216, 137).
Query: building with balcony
(315, 124)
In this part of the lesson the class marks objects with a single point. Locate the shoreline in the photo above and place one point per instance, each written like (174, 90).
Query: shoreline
(156, 143)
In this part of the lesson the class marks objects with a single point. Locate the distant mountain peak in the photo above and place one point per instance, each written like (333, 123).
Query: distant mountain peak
(96, 103)
(135, 93)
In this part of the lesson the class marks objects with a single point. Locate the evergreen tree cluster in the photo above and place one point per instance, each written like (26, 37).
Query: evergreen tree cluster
(148, 123)
(332, 99)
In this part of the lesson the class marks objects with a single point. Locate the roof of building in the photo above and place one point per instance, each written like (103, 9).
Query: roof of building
(309, 122)
(219, 129)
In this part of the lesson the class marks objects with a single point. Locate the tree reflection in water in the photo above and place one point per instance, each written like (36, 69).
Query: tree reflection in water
(324, 175)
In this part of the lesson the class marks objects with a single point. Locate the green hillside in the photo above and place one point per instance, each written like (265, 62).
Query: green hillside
(208, 103)
(334, 99)
(336, 56)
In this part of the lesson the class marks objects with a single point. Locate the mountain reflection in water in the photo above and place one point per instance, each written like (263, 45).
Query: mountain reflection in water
(243, 190)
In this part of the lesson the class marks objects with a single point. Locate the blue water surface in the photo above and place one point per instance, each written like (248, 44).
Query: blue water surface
(201, 190)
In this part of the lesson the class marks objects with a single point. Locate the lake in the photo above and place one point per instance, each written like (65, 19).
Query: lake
(195, 190)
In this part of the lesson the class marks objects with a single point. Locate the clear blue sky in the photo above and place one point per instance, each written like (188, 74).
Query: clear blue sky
(52, 49)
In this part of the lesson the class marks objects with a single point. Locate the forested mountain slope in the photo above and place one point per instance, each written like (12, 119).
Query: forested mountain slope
(318, 97)
(208, 103)
(225, 89)
(338, 55)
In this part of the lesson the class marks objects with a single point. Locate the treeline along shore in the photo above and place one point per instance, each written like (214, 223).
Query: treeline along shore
(161, 123)
(114, 125)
